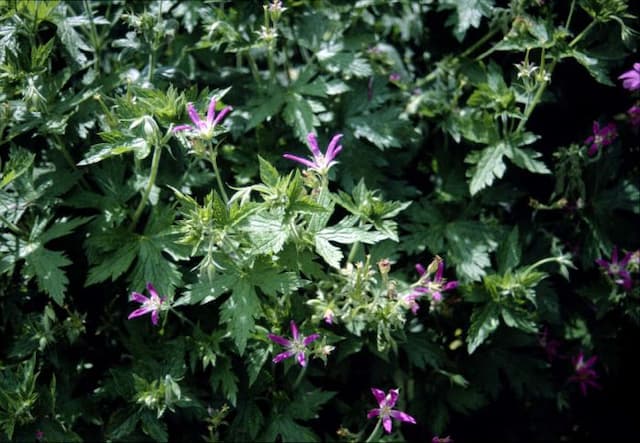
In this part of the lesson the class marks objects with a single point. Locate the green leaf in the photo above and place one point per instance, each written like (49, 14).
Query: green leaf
(330, 253)
(268, 174)
(298, 113)
(102, 151)
(288, 430)
(488, 166)
(20, 160)
(268, 235)
(47, 266)
(526, 159)
(468, 13)
(62, 227)
(114, 264)
(207, 289)
(594, 66)
(239, 312)
(153, 427)
(307, 404)
(248, 422)
(509, 252)
(263, 108)
(484, 321)
(224, 377)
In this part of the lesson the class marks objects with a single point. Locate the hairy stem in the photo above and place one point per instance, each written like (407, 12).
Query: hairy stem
(155, 162)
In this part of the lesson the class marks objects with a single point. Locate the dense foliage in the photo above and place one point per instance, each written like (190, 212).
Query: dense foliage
(318, 220)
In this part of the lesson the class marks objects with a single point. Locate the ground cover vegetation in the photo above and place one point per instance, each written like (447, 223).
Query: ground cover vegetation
(319, 220)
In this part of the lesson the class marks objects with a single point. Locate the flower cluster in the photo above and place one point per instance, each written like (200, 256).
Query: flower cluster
(618, 270)
(584, 374)
(426, 285)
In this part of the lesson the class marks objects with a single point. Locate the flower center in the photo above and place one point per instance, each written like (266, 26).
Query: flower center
(614, 268)
(385, 411)
(298, 346)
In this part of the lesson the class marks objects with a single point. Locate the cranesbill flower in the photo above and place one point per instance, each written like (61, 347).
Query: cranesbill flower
(631, 78)
(204, 128)
(320, 162)
(601, 137)
(617, 270)
(297, 346)
(151, 304)
(385, 410)
(585, 375)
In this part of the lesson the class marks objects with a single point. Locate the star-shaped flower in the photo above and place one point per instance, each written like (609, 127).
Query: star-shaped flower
(584, 374)
(320, 162)
(204, 128)
(617, 270)
(297, 346)
(151, 304)
(601, 137)
(385, 411)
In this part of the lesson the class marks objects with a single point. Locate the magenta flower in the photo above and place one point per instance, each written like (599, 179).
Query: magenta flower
(631, 78)
(634, 115)
(434, 287)
(321, 162)
(386, 411)
(152, 304)
(446, 439)
(204, 128)
(297, 346)
(584, 374)
(617, 270)
(601, 137)
(394, 77)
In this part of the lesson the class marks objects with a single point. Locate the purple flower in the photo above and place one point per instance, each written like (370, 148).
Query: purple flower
(204, 128)
(584, 374)
(634, 115)
(394, 77)
(297, 346)
(434, 287)
(152, 304)
(39, 435)
(601, 137)
(617, 269)
(385, 411)
(446, 439)
(321, 162)
(631, 78)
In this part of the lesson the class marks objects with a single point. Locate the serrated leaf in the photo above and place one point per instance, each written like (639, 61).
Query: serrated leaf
(288, 430)
(509, 252)
(268, 235)
(484, 321)
(223, 377)
(268, 173)
(62, 227)
(526, 159)
(307, 404)
(330, 253)
(239, 312)
(46, 266)
(267, 107)
(467, 15)
(113, 265)
(489, 166)
(153, 427)
(298, 114)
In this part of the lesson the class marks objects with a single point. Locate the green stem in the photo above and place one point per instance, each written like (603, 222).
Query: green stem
(299, 378)
(14, 228)
(570, 16)
(155, 162)
(254, 68)
(69, 159)
(582, 34)
(94, 36)
(479, 43)
(182, 317)
(213, 158)
(536, 98)
(374, 433)
(353, 252)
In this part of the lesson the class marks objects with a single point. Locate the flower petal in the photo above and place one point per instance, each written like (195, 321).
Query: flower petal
(136, 296)
(451, 285)
(302, 360)
(283, 355)
(294, 330)
(386, 424)
(152, 290)
(379, 395)
(421, 270)
(222, 114)
(211, 112)
(403, 416)
(183, 128)
(334, 148)
(373, 413)
(280, 340)
(138, 312)
(313, 145)
(193, 114)
(155, 317)
(392, 398)
(310, 339)
(301, 160)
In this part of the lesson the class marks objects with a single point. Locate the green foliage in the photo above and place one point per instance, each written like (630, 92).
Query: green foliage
(450, 111)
